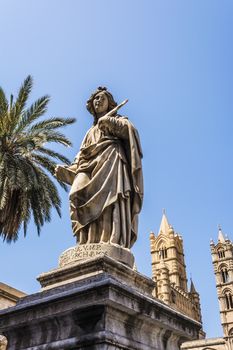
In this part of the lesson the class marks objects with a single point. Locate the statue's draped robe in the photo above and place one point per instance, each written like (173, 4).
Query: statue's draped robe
(106, 194)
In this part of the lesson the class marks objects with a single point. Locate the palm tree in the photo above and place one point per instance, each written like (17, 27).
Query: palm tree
(26, 189)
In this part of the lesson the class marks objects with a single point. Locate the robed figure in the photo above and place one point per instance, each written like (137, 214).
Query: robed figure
(106, 177)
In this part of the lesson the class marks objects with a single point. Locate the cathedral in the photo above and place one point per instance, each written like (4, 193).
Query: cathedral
(169, 273)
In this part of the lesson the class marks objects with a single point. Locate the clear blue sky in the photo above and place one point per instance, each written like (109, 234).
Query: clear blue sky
(174, 61)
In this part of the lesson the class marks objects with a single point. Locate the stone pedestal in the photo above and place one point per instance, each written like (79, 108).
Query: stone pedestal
(95, 304)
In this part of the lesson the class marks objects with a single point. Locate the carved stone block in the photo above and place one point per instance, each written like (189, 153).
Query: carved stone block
(92, 250)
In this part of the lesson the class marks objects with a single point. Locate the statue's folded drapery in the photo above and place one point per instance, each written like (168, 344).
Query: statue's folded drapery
(106, 194)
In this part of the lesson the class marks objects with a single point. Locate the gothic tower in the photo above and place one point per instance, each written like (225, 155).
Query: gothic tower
(222, 258)
(169, 271)
(168, 247)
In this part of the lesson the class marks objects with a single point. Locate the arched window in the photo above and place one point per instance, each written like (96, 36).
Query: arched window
(224, 275)
(163, 252)
(229, 300)
(221, 253)
(173, 297)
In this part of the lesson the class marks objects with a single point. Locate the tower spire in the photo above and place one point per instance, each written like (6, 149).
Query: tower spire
(221, 237)
(164, 226)
(192, 287)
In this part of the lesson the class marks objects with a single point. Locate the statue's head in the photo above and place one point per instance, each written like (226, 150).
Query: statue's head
(100, 102)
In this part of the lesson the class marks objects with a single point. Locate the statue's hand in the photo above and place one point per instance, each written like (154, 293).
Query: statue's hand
(102, 120)
(65, 173)
(103, 123)
(58, 169)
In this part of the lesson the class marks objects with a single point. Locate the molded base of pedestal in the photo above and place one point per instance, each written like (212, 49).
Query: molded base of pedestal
(92, 267)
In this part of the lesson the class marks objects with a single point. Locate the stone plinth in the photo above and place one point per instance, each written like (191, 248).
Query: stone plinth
(83, 252)
(106, 306)
(81, 270)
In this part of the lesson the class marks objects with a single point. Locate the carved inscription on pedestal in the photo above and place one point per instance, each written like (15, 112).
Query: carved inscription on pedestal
(94, 250)
(81, 252)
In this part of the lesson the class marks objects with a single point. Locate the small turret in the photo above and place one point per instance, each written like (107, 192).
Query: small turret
(192, 288)
(163, 283)
(196, 300)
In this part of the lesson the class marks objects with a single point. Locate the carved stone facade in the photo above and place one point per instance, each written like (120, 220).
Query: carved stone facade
(222, 258)
(169, 272)
(8, 297)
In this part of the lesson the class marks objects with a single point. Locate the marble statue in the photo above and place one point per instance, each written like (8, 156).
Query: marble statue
(106, 177)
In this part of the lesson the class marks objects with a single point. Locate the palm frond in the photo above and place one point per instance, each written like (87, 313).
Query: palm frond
(36, 110)
(52, 190)
(57, 137)
(53, 154)
(52, 123)
(45, 162)
(23, 95)
(49, 165)
(3, 103)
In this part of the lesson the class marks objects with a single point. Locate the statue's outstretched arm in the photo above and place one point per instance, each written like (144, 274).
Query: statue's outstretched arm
(66, 173)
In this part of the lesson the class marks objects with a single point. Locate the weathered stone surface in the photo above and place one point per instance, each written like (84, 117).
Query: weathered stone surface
(104, 311)
(3, 342)
(204, 344)
(86, 251)
(81, 270)
(9, 296)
